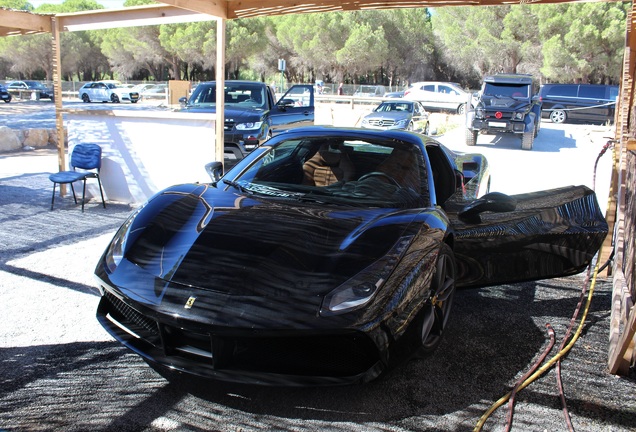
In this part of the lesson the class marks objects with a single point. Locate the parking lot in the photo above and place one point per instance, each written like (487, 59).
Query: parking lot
(59, 370)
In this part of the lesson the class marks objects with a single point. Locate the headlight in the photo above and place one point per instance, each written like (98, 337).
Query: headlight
(365, 122)
(249, 125)
(518, 116)
(402, 122)
(117, 246)
(360, 289)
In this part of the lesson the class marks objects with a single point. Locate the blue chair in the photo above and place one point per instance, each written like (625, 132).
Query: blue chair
(88, 158)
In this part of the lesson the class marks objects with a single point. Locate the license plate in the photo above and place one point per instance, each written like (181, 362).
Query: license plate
(497, 124)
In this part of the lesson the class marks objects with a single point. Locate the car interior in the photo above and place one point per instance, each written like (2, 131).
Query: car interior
(354, 169)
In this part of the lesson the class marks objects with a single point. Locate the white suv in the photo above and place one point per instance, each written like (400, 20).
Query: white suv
(439, 96)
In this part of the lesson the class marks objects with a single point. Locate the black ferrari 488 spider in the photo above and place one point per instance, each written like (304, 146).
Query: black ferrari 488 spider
(324, 253)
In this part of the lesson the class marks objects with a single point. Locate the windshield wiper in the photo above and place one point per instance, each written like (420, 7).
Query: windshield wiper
(235, 185)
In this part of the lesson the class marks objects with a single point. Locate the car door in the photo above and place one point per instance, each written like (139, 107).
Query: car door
(503, 239)
(294, 109)
(594, 98)
(99, 92)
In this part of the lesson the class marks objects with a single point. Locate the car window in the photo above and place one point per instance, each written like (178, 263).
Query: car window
(613, 92)
(563, 90)
(592, 92)
(381, 173)
(429, 87)
(204, 94)
(506, 90)
(300, 95)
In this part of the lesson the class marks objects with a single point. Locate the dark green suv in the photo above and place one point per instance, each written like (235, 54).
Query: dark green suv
(506, 103)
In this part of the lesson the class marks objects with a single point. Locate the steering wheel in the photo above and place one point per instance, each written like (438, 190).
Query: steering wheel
(380, 174)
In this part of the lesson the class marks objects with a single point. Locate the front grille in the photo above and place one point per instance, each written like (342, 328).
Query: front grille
(381, 123)
(229, 125)
(139, 324)
(329, 355)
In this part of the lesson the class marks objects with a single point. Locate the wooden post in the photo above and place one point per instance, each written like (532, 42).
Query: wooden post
(220, 93)
(57, 94)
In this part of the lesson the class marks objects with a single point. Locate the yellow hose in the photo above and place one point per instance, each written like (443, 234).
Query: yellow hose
(549, 364)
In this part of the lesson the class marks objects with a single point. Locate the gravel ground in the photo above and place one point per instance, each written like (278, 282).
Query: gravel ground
(59, 370)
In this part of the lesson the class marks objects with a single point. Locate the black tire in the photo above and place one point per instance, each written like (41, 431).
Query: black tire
(114, 98)
(7, 100)
(537, 126)
(461, 109)
(85, 98)
(527, 139)
(558, 116)
(471, 137)
(134, 101)
(409, 127)
(427, 129)
(433, 317)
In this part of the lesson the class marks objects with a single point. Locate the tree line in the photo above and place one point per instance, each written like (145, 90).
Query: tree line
(570, 42)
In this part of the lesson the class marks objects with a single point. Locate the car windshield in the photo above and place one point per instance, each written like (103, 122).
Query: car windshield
(507, 90)
(395, 106)
(36, 85)
(337, 170)
(243, 95)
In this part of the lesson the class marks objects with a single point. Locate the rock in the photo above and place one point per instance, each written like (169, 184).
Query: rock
(36, 138)
(8, 140)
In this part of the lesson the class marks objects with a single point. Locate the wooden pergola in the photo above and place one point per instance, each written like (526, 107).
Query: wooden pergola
(621, 213)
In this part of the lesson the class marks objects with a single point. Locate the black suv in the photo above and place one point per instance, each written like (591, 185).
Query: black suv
(506, 103)
(593, 103)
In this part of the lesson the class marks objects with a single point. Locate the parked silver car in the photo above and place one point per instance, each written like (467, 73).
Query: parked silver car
(439, 96)
(406, 115)
(102, 91)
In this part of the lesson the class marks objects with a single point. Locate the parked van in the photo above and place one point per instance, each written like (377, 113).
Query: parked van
(594, 103)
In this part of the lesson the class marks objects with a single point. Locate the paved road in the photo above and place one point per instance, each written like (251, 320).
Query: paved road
(60, 371)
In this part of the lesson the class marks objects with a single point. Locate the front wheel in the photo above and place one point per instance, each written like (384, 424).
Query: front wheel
(471, 137)
(85, 98)
(7, 100)
(427, 129)
(527, 139)
(558, 116)
(461, 109)
(114, 98)
(434, 314)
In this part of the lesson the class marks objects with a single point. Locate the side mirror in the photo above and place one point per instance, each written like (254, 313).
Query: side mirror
(214, 170)
(494, 202)
(285, 103)
(183, 101)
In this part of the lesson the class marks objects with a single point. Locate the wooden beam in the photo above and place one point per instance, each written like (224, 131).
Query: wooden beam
(22, 22)
(216, 8)
(129, 17)
(219, 146)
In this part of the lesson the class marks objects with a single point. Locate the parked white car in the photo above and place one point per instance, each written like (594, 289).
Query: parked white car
(104, 91)
(435, 95)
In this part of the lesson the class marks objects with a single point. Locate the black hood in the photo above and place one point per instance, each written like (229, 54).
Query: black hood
(203, 237)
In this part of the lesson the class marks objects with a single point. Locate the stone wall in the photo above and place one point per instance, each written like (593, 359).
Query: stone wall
(27, 139)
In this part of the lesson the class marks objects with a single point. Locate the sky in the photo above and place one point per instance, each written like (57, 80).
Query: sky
(108, 4)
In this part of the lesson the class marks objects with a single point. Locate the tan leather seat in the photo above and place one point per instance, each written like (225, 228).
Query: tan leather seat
(403, 167)
(329, 165)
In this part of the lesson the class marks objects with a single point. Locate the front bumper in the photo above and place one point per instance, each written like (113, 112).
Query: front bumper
(267, 357)
(247, 141)
(493, 125)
